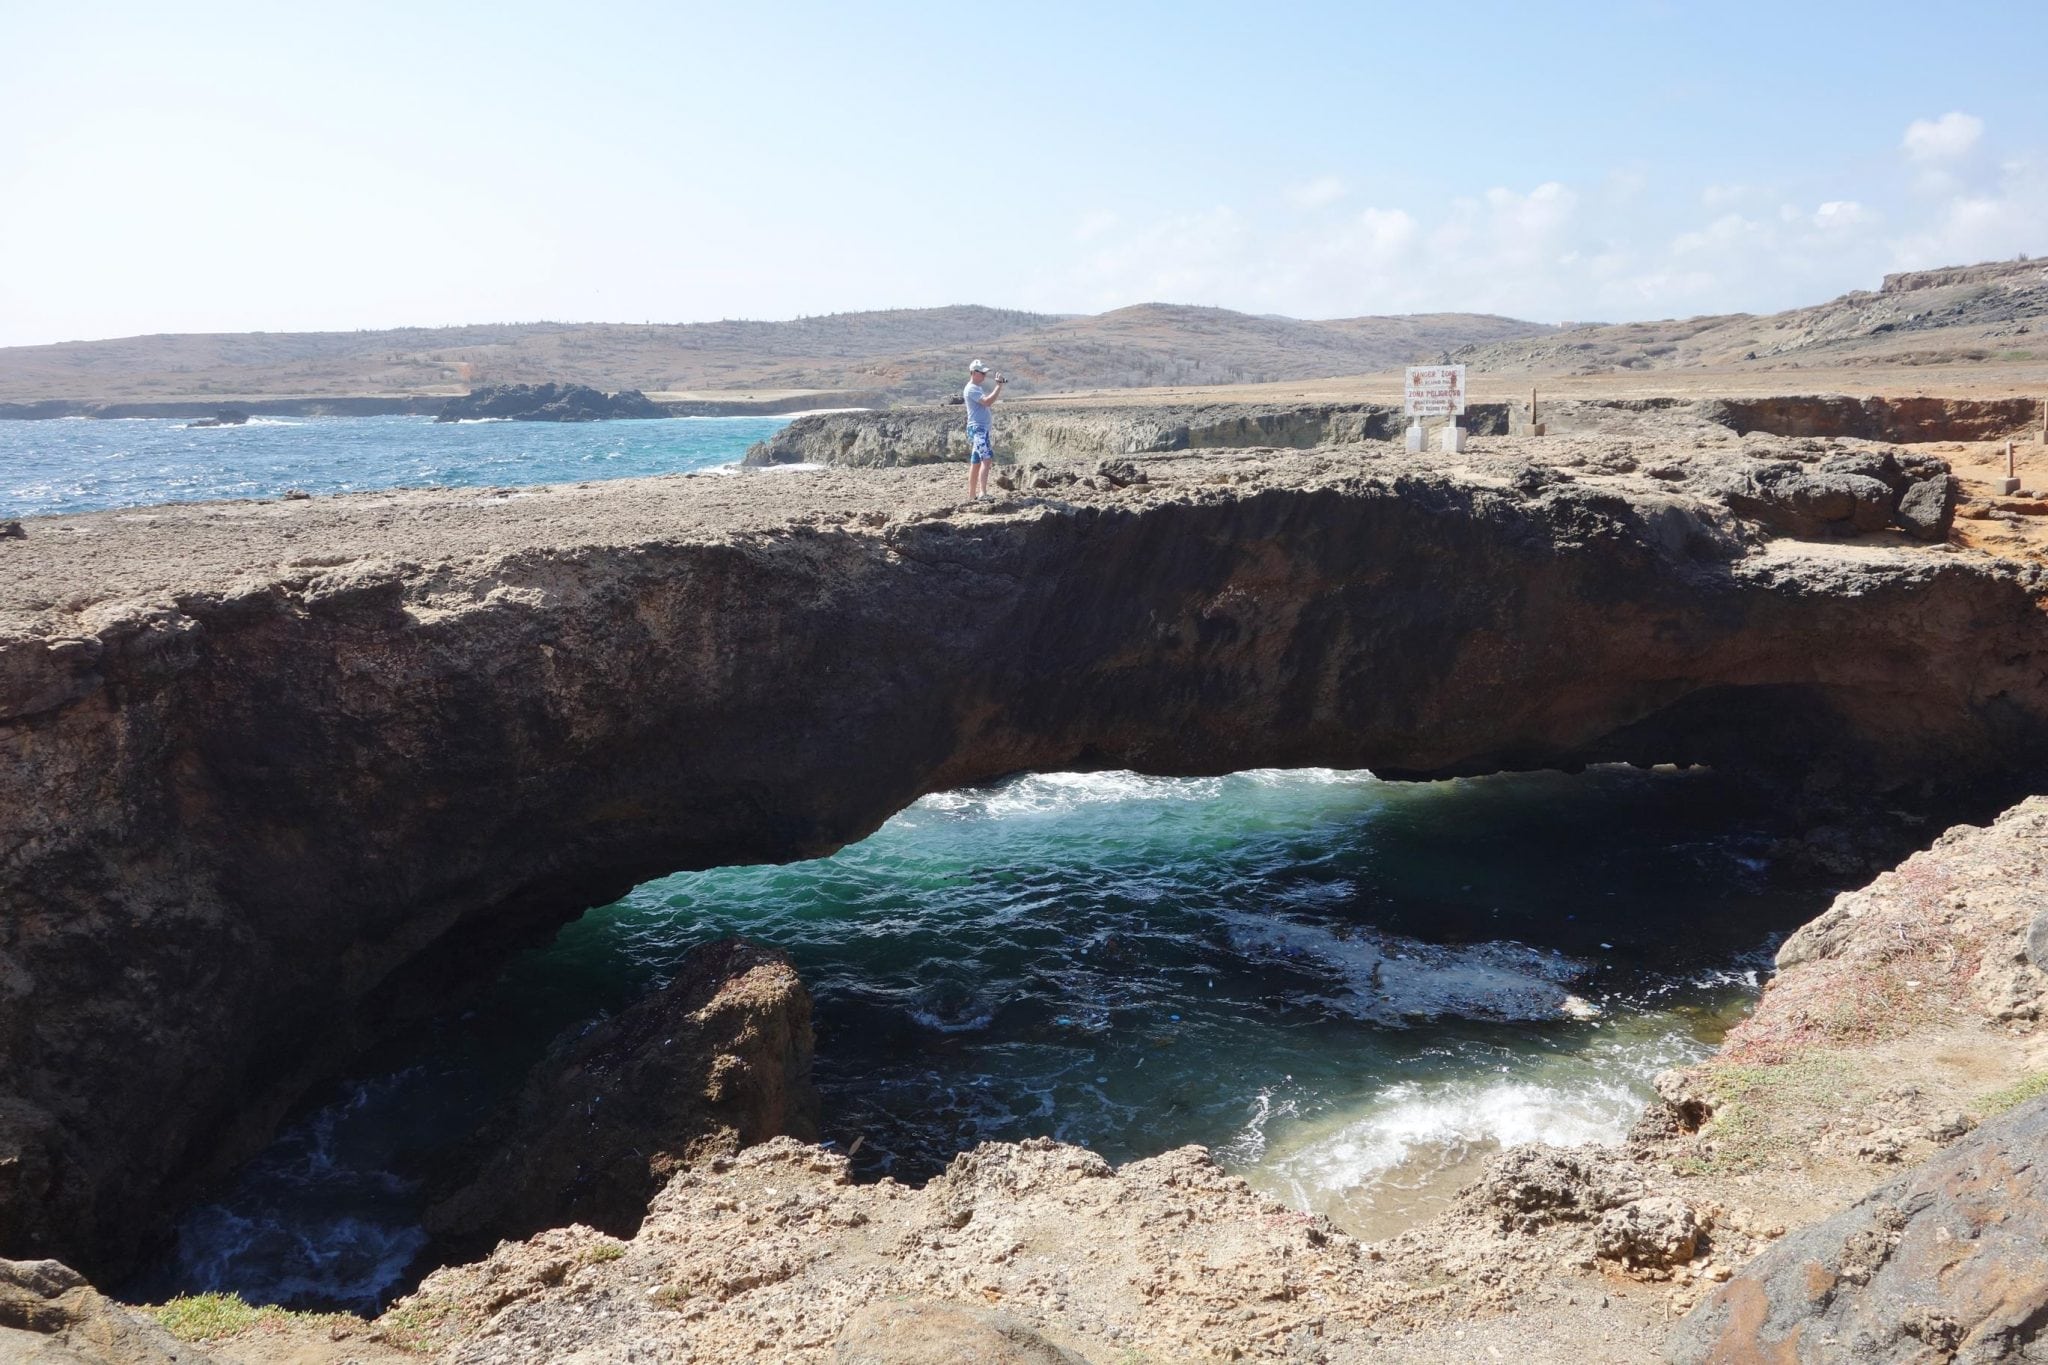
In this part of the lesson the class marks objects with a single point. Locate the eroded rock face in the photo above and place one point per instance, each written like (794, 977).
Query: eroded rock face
(1947, 1263)
(718, 1059)
(914, 436)
(549, 403)
(280, 774)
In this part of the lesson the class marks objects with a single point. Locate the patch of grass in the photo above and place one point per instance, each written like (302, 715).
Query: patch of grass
(2013, 1096)
(207, 1317)
(1765, 1113)
(212, 1316)
(602, 1252)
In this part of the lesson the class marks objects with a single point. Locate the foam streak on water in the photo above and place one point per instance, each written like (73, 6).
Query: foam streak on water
(1352, 990)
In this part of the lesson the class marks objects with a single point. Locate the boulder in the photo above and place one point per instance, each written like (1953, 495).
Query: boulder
(1948, 1262)
(1928, 508)
(1656, 1233)
(718, 1059)
(49, 1315)
(1120, 473)
(1526, 1188)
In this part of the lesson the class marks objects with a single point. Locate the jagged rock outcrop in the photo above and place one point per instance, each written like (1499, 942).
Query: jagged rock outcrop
(718, 1059)
(49, 1315)
(280, 775)
(1062, 432)
(549, 403)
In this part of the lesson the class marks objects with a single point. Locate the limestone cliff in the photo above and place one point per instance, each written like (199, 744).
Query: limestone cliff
(911, 436)
(279, 773)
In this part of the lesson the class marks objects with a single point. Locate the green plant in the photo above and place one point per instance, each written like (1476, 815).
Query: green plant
(1764, 1113)
(207, 1317)
(2015, 1095)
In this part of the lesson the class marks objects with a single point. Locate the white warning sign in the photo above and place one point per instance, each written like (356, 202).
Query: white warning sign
(1434, 391)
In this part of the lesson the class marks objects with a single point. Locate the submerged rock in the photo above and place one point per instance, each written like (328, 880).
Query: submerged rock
(717, 1060)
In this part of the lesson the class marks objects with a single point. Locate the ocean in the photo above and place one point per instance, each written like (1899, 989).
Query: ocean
(1352, 991)
(1347, 989)
(86, 464)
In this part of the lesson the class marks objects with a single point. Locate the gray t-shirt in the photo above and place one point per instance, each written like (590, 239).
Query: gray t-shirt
(979, 414)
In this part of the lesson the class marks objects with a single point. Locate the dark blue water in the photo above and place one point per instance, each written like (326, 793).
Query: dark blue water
(81, 465)
(1351, 989)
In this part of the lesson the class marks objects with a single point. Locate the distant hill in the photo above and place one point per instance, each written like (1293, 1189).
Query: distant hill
(909, 353)
(1996, 311)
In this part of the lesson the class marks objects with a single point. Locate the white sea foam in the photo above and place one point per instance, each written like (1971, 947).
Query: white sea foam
(1445, 1122)
(1055, 793)
(1391, 979)
(1409, 1147)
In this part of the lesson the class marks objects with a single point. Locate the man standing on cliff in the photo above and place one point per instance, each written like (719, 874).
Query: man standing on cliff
(981, 451)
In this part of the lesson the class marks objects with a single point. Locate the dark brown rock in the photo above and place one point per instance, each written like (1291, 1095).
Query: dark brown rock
(1928, 508)
(718, 1059)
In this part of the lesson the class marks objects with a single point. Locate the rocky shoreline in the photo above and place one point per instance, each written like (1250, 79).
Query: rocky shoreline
(522, 702)
(1674, 1246)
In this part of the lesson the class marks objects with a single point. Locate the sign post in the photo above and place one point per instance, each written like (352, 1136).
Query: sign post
(1435, 391)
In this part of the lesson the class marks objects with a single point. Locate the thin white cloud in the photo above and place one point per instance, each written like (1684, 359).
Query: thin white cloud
(1992, 221)
(1841, 215)
(1320, 192)
(1947, 138)
(1093, 225)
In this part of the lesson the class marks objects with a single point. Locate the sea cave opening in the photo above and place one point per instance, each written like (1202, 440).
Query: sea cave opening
(1352, 990)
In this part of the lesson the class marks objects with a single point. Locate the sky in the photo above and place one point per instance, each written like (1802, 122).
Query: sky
(222, 167)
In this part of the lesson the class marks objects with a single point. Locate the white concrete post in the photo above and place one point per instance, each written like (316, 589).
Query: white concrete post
(1415, 437)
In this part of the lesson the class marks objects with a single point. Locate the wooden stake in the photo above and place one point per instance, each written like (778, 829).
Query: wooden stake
(2012, 473)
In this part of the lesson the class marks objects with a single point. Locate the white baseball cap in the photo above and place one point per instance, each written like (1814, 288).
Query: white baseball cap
(978, 367)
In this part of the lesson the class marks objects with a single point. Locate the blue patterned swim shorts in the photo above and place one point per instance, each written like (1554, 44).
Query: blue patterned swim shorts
(978, 447)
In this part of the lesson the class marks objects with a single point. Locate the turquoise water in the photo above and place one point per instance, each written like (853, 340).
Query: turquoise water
(1351, 989)
(83, 465)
